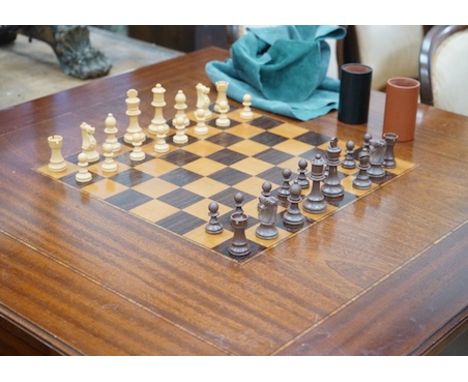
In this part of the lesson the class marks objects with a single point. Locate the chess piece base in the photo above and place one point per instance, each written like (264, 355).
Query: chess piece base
(223, 122)
(314, 206)
(376, 172)
(246, 115)
(161, 147)
(333, 191)
(304, 183)
(266, 232)
(57, 167)
(93, 157)
(109, 167)
(239, 250)
(180, 140)
(214, 229)
(349, 165)
(137, 156)
(389, 164)
(201, 130)
(83, 178)
(362, 184)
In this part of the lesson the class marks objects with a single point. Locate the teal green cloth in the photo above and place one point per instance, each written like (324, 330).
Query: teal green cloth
(283, 68)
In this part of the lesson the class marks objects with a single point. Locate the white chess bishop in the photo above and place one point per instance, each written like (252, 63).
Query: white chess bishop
(111, 132)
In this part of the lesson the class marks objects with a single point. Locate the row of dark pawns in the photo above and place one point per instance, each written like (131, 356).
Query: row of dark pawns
(374, 157)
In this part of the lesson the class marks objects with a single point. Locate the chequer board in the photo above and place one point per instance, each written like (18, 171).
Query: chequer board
(172, 190)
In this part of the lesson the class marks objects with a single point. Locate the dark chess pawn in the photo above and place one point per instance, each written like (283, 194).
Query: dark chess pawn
(389, 157)
(332, 187)
(213, 226)
(367, 139)
(283, 192)
(349, 162)
(377, 151)
(267, 210)
(315, 201)
(362, 180)
(239, 200)
(293, 217)
(239, 244)
(302, 174)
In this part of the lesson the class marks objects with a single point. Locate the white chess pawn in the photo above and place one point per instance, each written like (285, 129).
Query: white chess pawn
(109, 164)
(221, 88)
(111, 130)
(180, 137)
(56, 162)
(246, 113)
(137, 153)
(223, 120)
(83, 175)
(181, 106)
(200, 128)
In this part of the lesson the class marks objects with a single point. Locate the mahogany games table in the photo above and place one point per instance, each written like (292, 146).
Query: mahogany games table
(386, 275)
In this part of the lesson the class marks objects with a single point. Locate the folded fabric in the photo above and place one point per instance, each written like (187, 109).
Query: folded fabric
(283, 68)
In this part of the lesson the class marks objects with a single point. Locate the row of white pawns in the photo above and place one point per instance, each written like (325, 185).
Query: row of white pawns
(158, 128)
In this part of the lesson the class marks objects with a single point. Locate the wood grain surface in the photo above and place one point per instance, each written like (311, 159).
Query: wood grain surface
(85, 278)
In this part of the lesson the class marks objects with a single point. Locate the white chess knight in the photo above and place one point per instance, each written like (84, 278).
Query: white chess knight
(246, 113)
(201, 128)
(56, 162)
(221, 87)
(111, 132)
(203, 100)
(180, 137)
(133, 112)
(88, 144)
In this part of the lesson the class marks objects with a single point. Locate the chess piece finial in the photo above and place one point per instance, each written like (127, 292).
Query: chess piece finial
(302, 174)
(111, 131)
(56, 162)
(389, 158)
(246, 113)
(83, 175)
(315, 201)
(266, 188)
(362, 180)
(109, 164)
(180, 137)
(349, 162)
(213, 226)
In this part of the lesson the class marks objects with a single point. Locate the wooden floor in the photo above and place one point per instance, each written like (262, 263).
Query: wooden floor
(31, 70)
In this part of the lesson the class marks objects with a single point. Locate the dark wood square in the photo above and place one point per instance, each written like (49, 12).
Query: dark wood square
(268, 139)
(224, 139)
(227, 157)
(273, 175)
(131, 177)
(180, 198)
(233, 123)
(224, 246)
(313, 138)
(340, 202)
(128, 199)
(180, 157)
(180, 223)
(180, 176)
(226, 197)
(310, 155)
(70, 179)
(229, 176)
(273, 156)
(265, 122)
(125, 158)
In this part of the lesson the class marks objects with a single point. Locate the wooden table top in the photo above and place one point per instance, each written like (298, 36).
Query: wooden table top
(386, 275)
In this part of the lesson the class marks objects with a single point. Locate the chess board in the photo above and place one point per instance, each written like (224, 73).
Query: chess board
(172, 190)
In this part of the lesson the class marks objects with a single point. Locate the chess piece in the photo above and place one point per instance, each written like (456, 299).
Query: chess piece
(89, 142)
(111, 132)
(238, 202)
(293, 217)
(133, 111)
(366, 144)
(223, 120)
(214, 226)
(362, 180)
(377, 151)
(246, 113)
(267, 210)
(201, 128)
(137, 154)
(239, 245)
(283, 192)
(180, 137)
(181, 106)
(158, 126)
(349, 162)
(56, 161)
(221, 88)
(83, 175)
(203, 100)
(301, 174)
(109, 164)
(389, 157)
(332, 187)
(315, 201)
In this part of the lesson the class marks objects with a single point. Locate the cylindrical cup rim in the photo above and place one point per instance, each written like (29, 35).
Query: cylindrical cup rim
(347, 68)
(405, 83)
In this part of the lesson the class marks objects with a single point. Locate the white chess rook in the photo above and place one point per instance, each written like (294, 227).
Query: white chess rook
(56, 162)
(111, 132)
(133, 112)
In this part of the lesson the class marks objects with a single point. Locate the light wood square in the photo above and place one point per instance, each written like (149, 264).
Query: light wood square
(347, 183)
(293, 165)
(155, 187)
(251, 166)
(203, 148)
(104, 188)
(235, 115)
(200, 236)
(293, 147)
(96, 169)
(154, 210)
(71, 168)
(200, 209)
(245, 131)
(191, 116)
(205, 187)
(401, 167)
(288, 130)
(248, 147)
(253, 185)
(347, 171)
(156, 167)
(204, 166)
(250, 233)
(329, 210)
(250, 208)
